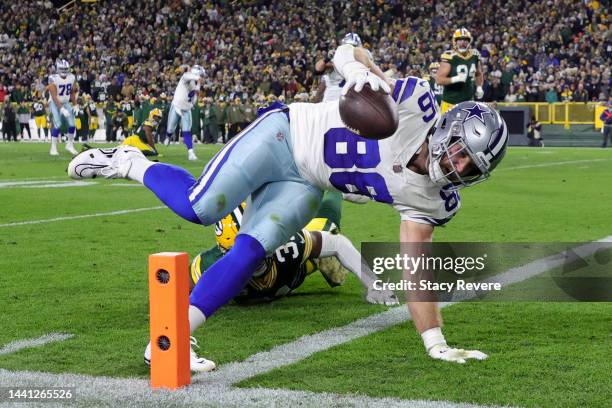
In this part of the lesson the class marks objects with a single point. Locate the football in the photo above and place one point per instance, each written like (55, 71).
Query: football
(370, 114)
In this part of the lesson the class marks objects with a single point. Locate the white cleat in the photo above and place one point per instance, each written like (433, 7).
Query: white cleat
(108, 163)
(166, 141)
(191, 155)
(53, 152)
(197, 364)
(71, 149)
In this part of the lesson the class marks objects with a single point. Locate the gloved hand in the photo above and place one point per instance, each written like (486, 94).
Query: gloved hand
(446, 353)
(361, 77)
(479, 92)
(460, 77)
(381, 297)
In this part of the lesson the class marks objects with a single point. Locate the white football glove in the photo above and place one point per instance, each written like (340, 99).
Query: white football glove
(460, 77)
(479, 92)
(381, 297)
(64, 112)
(361, 77)
(446, 353)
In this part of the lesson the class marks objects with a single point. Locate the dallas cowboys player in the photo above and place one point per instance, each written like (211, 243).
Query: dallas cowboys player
(62, 89)
(185, 96)
(285, 159)
(332, 81)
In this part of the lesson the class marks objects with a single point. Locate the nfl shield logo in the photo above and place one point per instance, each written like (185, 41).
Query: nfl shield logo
(397, 168)
(280, 137)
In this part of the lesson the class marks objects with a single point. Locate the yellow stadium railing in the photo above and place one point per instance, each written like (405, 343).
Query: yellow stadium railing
(563, 113)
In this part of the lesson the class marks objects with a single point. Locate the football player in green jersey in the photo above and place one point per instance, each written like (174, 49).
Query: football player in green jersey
(460, 72)
(143, 137)
(319, 246)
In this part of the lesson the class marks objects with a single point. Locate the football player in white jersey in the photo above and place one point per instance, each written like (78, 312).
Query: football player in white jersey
(62, 89)
(185, 96)
(332, 81)
(284, 160)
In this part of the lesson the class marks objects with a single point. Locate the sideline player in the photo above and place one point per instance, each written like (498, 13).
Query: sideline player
(460, 72)
(318, 246)
(185, 96)
(62, 96)
(285, 159)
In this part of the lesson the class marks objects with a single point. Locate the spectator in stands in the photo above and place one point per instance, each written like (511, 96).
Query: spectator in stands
(580, 94)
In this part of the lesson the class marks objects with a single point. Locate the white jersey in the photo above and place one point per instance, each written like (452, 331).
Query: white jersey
(64, 86)
(186, 92)
(333, 86)
(330, 156)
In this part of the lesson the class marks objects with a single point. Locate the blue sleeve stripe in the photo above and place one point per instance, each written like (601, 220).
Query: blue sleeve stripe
(396, 90)
(409, 89)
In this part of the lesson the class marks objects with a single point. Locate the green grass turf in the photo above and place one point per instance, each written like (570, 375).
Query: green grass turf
(88, 277)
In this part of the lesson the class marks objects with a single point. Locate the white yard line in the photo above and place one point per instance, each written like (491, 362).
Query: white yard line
(17, 345)
(217, 389)
(551, 164)
(78, 217)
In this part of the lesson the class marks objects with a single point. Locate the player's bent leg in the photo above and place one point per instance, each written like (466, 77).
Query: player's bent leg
(255, 157)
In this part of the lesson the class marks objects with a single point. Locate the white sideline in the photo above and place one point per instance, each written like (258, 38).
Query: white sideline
(560, 163)
(18, 345)
(216, 388)
(78, 217)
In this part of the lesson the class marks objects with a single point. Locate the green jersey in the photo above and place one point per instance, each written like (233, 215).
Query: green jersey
(39, 109)
(461, 91)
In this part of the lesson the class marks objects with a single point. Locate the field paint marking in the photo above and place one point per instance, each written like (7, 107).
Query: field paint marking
(216, 388)
(17, 345)
(78, 217)
(45, 184)
(561, 163)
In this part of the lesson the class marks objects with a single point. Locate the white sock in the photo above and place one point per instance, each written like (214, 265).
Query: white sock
(341, 247)
(196, 318)
(138, 169)
(70, 138)
(53, 142)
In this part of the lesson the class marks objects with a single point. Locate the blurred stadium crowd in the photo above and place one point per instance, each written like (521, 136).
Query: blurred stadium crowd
(548, 51)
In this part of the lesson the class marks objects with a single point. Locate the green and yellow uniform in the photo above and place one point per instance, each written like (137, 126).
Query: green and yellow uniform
(40, 117)
(460, 91)
(139, 138)
(284, 270)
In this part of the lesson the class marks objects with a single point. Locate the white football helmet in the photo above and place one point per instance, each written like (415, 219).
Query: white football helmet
(471, 128)
(351, 38)
(63, 67)
(198, 70)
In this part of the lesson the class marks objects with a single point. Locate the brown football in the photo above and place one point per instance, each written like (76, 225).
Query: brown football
(370, 114)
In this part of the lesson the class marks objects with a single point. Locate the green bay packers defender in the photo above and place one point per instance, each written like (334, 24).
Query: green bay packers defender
(319, 246)
(143, 138)
(460, 72)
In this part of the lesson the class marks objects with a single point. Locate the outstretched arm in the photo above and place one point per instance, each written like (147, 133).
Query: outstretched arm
(426, 314)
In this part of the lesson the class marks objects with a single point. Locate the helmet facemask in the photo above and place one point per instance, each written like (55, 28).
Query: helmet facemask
(443, 155)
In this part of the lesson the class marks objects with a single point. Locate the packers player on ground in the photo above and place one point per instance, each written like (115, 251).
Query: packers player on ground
(460, 72)
(143, 138)
(319, 246)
